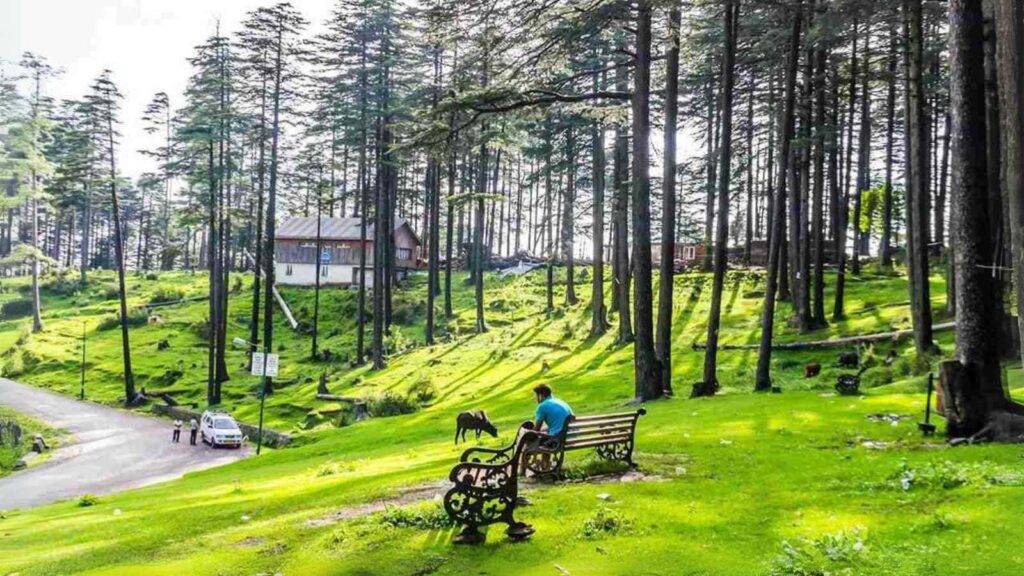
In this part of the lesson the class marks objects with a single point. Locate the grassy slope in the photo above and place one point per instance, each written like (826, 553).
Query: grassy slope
(740, 473)
(9, 454)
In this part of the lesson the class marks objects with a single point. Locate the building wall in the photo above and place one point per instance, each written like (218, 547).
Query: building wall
(298, 274)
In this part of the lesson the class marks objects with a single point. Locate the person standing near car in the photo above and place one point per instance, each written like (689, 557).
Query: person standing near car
(176, 435)
(193, 431)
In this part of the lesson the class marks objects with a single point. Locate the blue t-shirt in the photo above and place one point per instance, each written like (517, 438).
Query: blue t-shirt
(552, 412)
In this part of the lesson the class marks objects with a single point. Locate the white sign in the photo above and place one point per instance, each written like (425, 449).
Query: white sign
(257, 364)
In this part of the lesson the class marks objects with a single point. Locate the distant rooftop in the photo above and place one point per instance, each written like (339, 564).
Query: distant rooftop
(344, 228)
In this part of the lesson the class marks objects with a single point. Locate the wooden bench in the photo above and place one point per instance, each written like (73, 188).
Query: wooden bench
(486, 489)
(610, 435)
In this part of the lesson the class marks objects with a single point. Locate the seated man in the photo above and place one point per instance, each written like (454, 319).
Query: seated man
(550, 418)
(551, 411)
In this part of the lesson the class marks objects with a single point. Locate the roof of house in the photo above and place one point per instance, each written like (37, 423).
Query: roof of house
(345, 228)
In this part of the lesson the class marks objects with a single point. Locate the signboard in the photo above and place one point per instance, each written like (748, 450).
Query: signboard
(257, 364)
(325, 256)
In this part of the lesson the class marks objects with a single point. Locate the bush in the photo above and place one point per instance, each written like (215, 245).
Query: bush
(839, 553)
(16, 309)
(61, 285)
(135, 318)
(604, 521)
(391, 404)
(423, 390)
(877, 376)
(166, 294)
(430, 516)
(406, 312)
(87, 500)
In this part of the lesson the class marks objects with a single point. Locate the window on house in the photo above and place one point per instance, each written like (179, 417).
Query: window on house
(403, 253)
(288, 270)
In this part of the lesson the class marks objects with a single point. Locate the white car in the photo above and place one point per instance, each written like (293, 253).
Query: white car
(219, 429)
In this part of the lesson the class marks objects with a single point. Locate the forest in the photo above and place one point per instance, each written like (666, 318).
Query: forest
(804, 175)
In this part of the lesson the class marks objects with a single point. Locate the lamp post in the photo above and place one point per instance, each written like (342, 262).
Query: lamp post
(243, 343)
(81, 391)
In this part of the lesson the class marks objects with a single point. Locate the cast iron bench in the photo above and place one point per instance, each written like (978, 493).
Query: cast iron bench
(486, 489)
(610, 435)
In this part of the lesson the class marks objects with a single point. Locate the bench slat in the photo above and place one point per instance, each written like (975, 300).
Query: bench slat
(606, 430)
(581, 421)
(602, 424)
(614, 439)
(631, 415)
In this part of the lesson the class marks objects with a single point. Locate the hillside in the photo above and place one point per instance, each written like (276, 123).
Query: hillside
(802, 482)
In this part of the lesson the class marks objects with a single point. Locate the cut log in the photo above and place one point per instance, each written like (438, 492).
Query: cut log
(834, 343)
(277, 296)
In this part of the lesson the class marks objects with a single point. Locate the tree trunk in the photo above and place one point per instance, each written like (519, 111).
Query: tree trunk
(710, 383)
(647, 373)
(818, 221)
(976, 405)
(115, 211)
(775, 253)
(917, 242)
(1011, 82)
(598, 315)
(620, 213)
(668, 202)
(568, 216)
(863, 155)
(885, 248)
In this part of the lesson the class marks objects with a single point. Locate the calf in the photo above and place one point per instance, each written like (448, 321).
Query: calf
(811, 370)
(475, 420)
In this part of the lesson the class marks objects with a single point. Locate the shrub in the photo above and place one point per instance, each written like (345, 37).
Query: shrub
(877, 376)
(111, 293)
(391, 404)
(166, 294)
(152, 276)
(135, 318)
(332, 468)
(839, 553)
(423, 390)
(16, 309)
(605, 521)
(61, 285)
(87, 500)
(429, 516)
(406, 312)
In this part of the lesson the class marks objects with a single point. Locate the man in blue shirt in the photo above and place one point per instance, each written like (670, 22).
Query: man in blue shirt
(551, 412)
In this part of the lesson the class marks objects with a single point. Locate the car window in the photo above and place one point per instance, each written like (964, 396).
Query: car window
(224, 424)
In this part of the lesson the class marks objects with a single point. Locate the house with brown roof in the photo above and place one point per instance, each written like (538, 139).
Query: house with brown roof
(340, 242)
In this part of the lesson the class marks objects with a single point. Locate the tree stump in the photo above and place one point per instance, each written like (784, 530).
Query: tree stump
(976, 408)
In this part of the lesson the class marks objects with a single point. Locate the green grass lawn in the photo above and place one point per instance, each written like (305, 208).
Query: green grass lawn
(801, 483)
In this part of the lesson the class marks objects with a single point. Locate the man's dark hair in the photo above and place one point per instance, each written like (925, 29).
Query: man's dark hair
(542, 390)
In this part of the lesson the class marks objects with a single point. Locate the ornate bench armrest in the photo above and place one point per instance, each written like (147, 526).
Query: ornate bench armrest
(496, 455)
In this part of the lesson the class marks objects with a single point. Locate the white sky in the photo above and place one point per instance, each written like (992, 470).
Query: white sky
(144, 42)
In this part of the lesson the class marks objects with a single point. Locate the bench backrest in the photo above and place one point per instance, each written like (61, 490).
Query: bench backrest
(600, 429)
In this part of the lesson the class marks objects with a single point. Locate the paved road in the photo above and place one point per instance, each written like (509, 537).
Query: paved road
(110, 450)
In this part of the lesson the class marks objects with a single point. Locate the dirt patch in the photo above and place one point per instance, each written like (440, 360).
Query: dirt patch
(409, 496)
(250, 542)
(425, 492)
